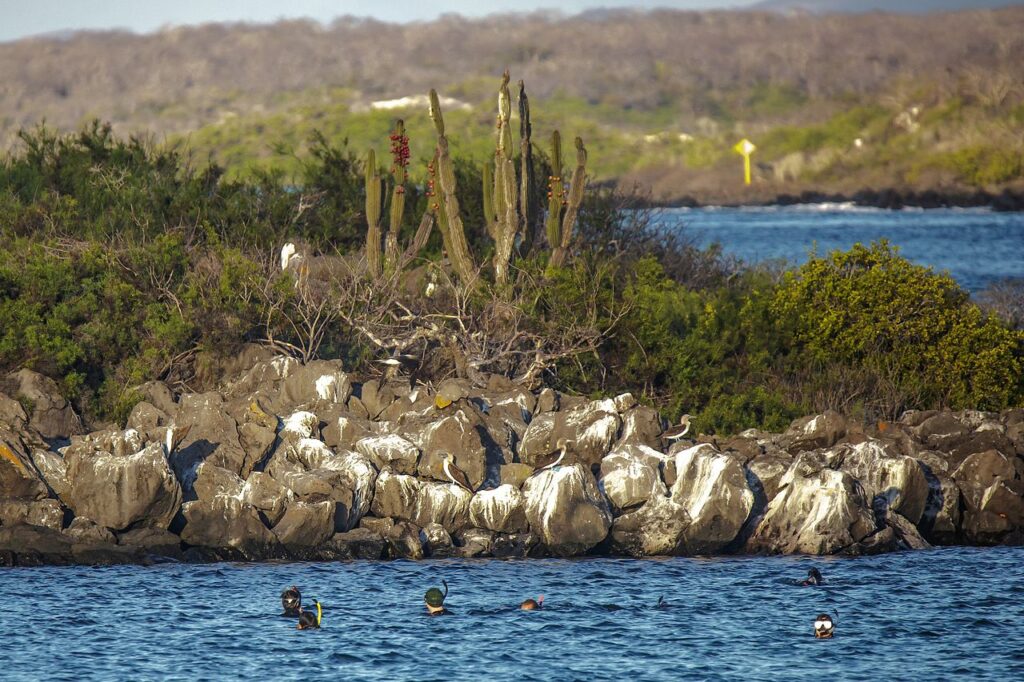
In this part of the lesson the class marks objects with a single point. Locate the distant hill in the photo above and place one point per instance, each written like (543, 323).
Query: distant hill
(893, 6)
(659, 96)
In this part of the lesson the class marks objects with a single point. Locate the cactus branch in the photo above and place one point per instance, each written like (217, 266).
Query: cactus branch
(373, 207)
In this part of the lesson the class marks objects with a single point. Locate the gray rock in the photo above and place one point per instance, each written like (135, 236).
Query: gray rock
(145, 417)
(817, 431)
(767, 471)
(474, 542)
(889, 479)
(52, 468)
(123, 492)
(306, 524)
(442, 503)
(391, 452)
(461, 434)
(213, 480)
(631, 475)
(501, 510)
(591, 427)
(437, 543)
(515, 474)
(212, 437)
(52, 416)
(83, 530)
(547, 401)
(939, 430)
(515, 545)
(641, 425)
(228, 523)
(46, 513)
(566, 510)
(358, 543)
(267, 495)
(320, 382)
(822, 513)
(712, 488)
(655, 529)
(152, 541)
(395, 496)
(404, 542)
(18, 476)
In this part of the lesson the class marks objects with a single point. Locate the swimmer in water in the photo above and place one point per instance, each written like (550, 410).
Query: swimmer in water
(291, 600)
(309, 620)
(824, 627)
(434, 599)
(813, 578)
(662, 604)
(533, 604)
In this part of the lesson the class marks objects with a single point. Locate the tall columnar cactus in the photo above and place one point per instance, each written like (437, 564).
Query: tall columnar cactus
(447, 205)
(572, 205)
(505, 198)
(556, 194)
(399, 163)
(373, 206)
(529, 208)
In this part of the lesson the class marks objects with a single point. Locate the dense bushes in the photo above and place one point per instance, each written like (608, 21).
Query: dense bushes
(123, 264)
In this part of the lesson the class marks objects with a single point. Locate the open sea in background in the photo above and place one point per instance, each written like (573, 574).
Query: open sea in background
(976, 246)
(953, 613)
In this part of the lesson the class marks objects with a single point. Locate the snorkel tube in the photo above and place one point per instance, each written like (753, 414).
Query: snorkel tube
(319, 612)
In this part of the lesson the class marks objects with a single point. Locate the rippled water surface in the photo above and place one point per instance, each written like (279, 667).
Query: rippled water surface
(930, 615)
(976, 246)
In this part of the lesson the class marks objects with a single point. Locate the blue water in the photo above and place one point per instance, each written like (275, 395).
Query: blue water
(976, 246)
(929, 615)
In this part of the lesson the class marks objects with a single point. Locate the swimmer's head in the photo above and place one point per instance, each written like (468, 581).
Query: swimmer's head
(824, 627)
(814, 577)
(533, 604)
(309, 620)
(434, 598)
(291, 600)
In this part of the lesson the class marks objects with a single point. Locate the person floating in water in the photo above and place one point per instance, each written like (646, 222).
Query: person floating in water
(434, 599)
(291, 600)
(824, 627)
(309, 620)
(813, 578)
(533, 604)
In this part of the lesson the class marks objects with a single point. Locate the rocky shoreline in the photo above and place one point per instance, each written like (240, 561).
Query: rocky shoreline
(291, 461)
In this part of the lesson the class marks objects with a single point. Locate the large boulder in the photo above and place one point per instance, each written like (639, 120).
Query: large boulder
(46, 513)
(52, 468)
(320, 382)
(502, 510)
(566, 509)
(462, 434)
(267, 495)
(358, 543)
(712, 488)
(765, 472)
(395, 496)
(592, 427)
(631, 475)
(18, 476)
(993, 495)
(940, 430)
(120, 492)
(404, 541)
(821, 513)
(656, 529)
(816, 431)
(890, 480)
(52, 416)
(305, 524)
(212, 437)
(228, 523)
(443, 503)
(641, 425)
(390, 452)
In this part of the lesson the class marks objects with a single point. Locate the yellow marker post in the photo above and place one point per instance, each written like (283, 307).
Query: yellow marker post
(745, 147)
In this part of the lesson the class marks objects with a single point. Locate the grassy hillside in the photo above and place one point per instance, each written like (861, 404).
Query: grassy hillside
(660, 97)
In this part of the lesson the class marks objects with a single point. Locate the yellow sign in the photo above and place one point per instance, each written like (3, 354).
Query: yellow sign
(745, 147)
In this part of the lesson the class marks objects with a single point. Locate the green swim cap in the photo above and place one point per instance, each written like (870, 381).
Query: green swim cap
(434, 597)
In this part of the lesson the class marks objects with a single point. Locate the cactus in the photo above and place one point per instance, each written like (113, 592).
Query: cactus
(448, 216)
(529, 207)
(572, 205)
(373, 199)
(399, 162)
(556, 193)
(504, 200)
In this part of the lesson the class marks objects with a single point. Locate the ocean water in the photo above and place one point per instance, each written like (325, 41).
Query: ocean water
(976, 246)
(942, 614)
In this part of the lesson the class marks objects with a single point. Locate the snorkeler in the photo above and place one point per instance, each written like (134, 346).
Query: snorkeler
(824, 627)
(291, 600)
(813, 578)
(533, 604)
(309, 620)
(434, 599)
